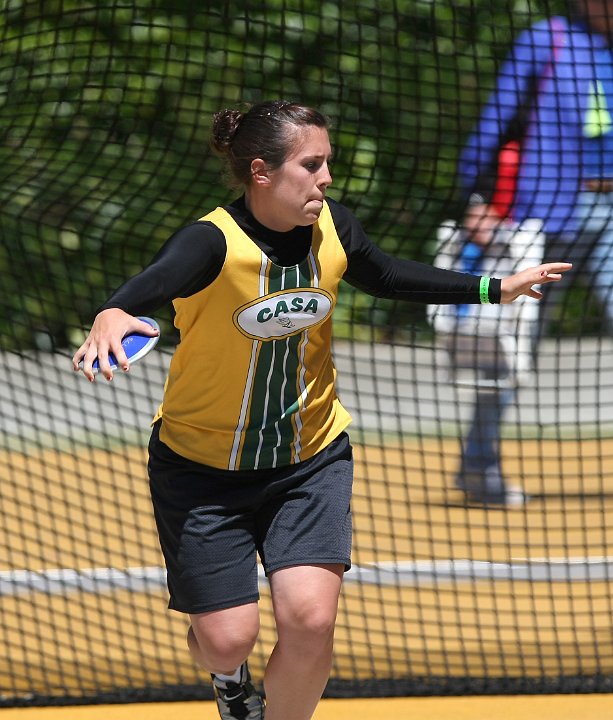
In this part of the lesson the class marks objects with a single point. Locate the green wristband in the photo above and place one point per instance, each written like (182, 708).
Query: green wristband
(484, 290)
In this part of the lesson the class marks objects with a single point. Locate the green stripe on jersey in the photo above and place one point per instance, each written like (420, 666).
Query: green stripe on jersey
(270, 431)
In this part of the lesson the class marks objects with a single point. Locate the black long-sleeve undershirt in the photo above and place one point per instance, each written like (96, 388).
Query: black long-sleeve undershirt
(193, 257)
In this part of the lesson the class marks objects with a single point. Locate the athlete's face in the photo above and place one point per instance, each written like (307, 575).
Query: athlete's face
(294, 192)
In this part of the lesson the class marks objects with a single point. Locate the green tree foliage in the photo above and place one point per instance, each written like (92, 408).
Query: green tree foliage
(105, 110)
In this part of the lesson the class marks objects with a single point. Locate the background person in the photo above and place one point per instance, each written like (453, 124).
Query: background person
(542, 151)
(489, 350)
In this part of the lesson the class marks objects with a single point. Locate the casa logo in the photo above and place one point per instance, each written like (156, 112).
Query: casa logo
(284, 313)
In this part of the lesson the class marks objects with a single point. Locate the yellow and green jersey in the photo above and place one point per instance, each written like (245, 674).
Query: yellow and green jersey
(252, 383)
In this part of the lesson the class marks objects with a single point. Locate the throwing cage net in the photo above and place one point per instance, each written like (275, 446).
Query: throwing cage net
(105, 114)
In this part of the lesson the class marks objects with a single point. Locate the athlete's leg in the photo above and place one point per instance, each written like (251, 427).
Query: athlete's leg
(305, 602)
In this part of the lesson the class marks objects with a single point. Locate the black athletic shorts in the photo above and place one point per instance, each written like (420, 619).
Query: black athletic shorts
(213, 523)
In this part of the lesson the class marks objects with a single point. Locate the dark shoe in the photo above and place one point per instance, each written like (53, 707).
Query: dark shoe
(490, 489)
(238, 701)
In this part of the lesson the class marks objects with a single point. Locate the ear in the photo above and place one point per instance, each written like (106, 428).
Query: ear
(259, 172)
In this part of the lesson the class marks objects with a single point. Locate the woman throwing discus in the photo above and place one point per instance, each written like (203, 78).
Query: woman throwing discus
(249, 453)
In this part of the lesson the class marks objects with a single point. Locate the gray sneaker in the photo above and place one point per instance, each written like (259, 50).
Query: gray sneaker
(489, 489)
(239, 701)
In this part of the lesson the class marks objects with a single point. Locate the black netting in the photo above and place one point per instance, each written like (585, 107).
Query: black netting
(105, 116)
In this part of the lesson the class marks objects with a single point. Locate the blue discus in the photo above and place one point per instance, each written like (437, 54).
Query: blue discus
(135, 346)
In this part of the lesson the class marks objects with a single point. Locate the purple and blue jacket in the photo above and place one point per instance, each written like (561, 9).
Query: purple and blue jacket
(554, 92)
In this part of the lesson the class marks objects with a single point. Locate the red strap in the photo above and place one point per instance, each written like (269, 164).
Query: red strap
(504, 190)
(509, 155)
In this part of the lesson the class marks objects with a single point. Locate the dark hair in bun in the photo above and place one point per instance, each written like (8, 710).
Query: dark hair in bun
(265, 130)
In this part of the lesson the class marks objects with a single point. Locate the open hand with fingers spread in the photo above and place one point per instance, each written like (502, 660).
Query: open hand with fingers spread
(103, 349)
(522, 283)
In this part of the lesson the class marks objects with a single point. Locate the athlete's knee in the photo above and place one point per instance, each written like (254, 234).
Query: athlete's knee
(217, 654)
(310, 622)
(305, 604)
(221, 645)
